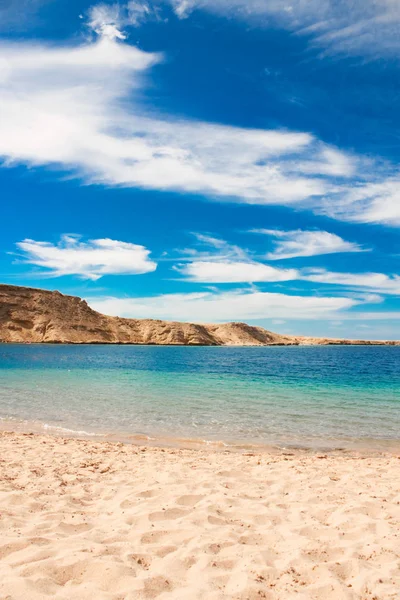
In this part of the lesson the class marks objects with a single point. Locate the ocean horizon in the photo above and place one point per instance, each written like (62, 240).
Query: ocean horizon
(309, 397)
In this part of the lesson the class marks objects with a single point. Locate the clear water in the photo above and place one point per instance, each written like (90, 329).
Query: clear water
(307, 396)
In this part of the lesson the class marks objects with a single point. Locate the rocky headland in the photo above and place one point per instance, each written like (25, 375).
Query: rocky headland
(29, 315)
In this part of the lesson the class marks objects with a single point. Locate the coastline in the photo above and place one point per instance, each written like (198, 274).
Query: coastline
(302, 344)
(86, 518)
(42, 316)
(363, 447)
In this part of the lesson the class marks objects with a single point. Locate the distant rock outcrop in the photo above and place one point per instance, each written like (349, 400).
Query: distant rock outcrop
(29, 315)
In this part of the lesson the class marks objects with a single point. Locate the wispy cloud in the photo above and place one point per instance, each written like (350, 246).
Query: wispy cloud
(210, 248)
(224, 263)
(106, 20)
(234, 272)
(141, 11)
(258, 272)
(379, 282)
(298, 243)
(110, 19)
(88, 260)
(360, 27)
(206, 307)
(78, 108)
(63, 105)
(368, 202)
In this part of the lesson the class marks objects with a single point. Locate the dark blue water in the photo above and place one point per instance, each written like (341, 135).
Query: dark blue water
(309, 396)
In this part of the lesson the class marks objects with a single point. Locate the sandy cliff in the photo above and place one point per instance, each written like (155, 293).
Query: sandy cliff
(37, 316)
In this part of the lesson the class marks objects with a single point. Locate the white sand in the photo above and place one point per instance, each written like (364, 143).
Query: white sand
(85, 520)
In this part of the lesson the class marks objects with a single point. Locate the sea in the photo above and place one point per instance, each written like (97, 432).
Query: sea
(317, 397)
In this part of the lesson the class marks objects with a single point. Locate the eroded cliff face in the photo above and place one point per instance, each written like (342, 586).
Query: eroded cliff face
(29, 315)
(32, 315)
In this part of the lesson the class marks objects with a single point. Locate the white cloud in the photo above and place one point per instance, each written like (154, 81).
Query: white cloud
(63, 105)
(332, 162)
(371, 202)
(220, 271)
(378, 282)
(234, 272)
(106, 20)
(78, 108)
(292, 244)
(225, 263)
(109, 19)
(139, 11)
(88, 260)
(209, 248)
(183, 8)
(393, 317)
(219, 244)
(207, 307)
(360, 27)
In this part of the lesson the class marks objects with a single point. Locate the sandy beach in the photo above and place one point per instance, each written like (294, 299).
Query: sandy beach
(97, 520)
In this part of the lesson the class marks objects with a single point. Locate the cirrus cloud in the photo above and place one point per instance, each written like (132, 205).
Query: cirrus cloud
(256, 272)
(297, 243)
(220, 262)
(78, 108)
(379, 282)
(234, 272)
(110, 19)
(360, 27)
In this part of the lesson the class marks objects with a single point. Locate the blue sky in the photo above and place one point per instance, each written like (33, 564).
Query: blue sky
(206, 160)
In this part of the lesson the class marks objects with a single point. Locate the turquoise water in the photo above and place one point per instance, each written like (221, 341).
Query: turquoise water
(301, 396)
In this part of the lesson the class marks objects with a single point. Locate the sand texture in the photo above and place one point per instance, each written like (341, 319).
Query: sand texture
(93, 520)
(29, 315)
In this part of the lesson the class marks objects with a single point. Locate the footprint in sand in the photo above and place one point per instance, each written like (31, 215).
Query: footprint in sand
(215, 520)
(166, 515)
(345, 570)
(74, 527)
(225, 565)
(216, 548)
(152, 537)
(253, 539)
(39, 541)
(8, 549)
(165, 550)
(128, 504)
(154, 586)
(148, 494)
(189, 500)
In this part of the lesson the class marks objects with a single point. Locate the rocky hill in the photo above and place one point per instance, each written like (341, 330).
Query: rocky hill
(29, 315)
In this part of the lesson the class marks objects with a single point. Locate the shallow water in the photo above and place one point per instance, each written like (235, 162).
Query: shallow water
(295, 396)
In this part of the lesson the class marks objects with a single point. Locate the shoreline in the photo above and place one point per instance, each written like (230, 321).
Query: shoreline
(329, 342)
(354, 446)
(29, 312)
(94, 519)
